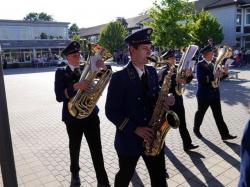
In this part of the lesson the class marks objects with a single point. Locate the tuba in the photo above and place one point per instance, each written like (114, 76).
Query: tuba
(83, 103)
(223, 52)
(159, 120)
(185, 64)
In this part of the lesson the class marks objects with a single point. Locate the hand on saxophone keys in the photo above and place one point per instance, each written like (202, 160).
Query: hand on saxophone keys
(146, 133)
(84, 85)
(169, 100)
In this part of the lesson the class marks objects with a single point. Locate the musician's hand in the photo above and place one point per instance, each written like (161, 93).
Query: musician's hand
(225, 70)
(83, 85)
(169, 100)
(181, 81)
(218, 73)
(145, 133)
(189, 72)
(100, 64)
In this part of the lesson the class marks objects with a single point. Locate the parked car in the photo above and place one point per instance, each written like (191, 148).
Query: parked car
(59, 61)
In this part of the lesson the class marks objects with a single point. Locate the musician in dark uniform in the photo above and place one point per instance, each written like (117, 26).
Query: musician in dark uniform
(245, 158)
(207, 95)
(66, 87)
(178, 106)
(132, 94)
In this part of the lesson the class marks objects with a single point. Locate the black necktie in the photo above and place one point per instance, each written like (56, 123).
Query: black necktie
(144, 82)
(77, 72)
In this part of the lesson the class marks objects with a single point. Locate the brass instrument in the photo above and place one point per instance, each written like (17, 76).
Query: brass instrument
(83, 103)
(185, 64)
(223, 52)
(159, 120)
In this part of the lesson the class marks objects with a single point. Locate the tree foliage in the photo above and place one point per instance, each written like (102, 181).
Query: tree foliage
(175, 25)
(73, 30)
(33, 16)
(170, 19)
(205, 26)
(112, 36)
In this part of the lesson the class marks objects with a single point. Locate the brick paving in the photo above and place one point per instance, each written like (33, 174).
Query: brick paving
(40, 140)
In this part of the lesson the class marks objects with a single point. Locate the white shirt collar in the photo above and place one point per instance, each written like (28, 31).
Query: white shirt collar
(139, 71)
(73, 67)
(208, 62)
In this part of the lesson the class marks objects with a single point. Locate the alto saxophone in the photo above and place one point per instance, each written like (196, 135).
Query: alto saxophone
(83, 103)
(159, 120)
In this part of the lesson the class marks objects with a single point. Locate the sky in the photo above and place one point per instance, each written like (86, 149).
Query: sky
(85, 13)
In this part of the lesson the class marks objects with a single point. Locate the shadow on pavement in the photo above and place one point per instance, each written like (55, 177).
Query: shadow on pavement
(235, 147)
(187, 174)
(196, 159)
(136, 181)
(14, 71)
(231, 160)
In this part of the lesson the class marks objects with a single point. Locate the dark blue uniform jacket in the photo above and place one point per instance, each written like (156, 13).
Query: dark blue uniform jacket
(205, 76)
(128, 106)
(178, 98)
(64, 80)
(245, 158)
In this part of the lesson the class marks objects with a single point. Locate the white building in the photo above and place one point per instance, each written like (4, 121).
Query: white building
(22, 41)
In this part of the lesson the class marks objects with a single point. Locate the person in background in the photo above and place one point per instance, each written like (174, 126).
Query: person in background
(178, 107)
(66, 86)
(209, 96)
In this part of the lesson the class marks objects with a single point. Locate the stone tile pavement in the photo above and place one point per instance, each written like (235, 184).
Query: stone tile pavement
(40, 141)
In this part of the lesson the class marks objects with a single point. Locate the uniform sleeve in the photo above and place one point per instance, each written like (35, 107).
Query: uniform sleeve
(203, 76)
(115, 106)
(63, 90)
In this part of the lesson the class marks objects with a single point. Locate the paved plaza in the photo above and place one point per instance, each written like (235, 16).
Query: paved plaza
(40, 141)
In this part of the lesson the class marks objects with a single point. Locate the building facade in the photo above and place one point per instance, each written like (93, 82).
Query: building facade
(24, 41)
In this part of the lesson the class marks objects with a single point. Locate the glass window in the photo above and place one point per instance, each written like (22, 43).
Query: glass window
(238, 19)
(238, 10)
(248, 19)
(238, 29)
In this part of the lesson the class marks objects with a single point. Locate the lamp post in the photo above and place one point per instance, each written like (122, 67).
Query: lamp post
(6, 153)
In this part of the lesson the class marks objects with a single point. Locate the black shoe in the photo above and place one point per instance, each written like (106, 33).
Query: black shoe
(75, 180)
(228, 137)
(197, 133)
(191, 146)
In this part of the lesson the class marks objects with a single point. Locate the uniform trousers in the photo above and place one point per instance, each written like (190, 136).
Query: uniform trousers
(90, 127)
(185, 136)
(217, 113)
(155, 165)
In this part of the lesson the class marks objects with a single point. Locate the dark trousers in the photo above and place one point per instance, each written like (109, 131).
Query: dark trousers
(185, 136)
(91, 129)
(216, 109)
(155, 166)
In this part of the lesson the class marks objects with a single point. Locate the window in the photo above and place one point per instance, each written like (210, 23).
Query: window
(237, 43)
(238, 20)
(247, 16)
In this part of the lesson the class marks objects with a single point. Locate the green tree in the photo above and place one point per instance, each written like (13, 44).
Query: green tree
(112, 36)
(205, 26)
(33, 16)
(170, 21)
(73, 30)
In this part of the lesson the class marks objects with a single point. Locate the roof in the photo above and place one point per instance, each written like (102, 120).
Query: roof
(32, 22)
(210, 4)
(31, 44)
(132, 22)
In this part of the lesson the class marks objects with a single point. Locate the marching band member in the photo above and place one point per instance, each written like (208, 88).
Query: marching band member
(207, 95)
(178, 106)
(66, 86)
(131, 97)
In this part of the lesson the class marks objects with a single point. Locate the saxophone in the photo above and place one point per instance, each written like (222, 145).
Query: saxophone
(83, 103)
(159, 120)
